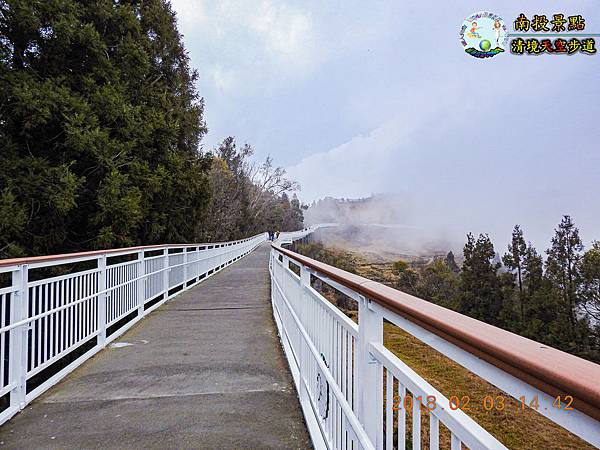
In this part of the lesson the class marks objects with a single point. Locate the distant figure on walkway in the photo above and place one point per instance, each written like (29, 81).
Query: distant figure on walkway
(271, 235)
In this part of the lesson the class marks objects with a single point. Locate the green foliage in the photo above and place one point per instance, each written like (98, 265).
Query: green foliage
(533, 270)
(438, 283)
(451, 262)
(480, 295)
(590, 285)
(514, 260)
(562, 265)
(407, 277)
(99, 127)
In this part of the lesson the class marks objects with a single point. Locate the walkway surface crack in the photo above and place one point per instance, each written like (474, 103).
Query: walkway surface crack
(282, 389)
(217, 308)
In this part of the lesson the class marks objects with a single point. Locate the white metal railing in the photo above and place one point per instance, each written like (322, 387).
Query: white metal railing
(353, 390)
(287, 237)
(46, 321)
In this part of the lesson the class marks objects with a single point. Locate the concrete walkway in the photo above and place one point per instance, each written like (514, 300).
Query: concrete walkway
(205, 370)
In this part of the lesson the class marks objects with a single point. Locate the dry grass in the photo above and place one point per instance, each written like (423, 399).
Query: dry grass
(514, 427)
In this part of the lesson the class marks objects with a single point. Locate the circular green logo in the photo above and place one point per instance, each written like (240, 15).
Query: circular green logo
(483, 35)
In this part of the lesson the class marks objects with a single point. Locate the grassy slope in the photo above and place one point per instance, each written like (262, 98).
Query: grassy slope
(514, 427)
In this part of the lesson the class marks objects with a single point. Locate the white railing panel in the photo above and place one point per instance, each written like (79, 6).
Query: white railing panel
(5, 300)
(176, 269)
(122, 292)
(154, 278)
(62, 314)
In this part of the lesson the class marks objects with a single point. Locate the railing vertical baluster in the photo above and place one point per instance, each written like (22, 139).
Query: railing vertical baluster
(344, 363)
(350, 370)
(78, 294)
(401, 443)
(71, 292)
(370, 373)
(434, 432)
(4, 299)
(102, 299)
(51, 289)
(45, 320)
(455, 443)
(389, 412)
(19, 337)
(416, 422)
(378, 419)
(62, 295)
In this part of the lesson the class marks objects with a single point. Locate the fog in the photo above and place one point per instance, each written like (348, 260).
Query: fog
(356, 98)
(388, 225)
(381, 225)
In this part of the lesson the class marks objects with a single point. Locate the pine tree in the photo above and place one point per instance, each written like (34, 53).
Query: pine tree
(451, 262)
(562, 265)
(481, 295)
(99, 127)
(437, 283)
(590, 286)
(514, 260)
(533, 270)
(407, 277)
(297, 219)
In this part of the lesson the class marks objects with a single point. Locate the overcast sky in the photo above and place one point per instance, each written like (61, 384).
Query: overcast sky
(359, 97)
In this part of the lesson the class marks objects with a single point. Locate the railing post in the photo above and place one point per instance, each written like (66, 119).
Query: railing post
(166, 271)
(102, 297)
(185, 268)
(141, 271)
(271, 262)
(19, 337)
(197, 264)
(370, 372)
(286, 265)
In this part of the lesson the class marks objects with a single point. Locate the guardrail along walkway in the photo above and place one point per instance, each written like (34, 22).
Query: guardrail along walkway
(205, 370)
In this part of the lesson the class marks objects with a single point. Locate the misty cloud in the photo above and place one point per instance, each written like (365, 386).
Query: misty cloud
(358, 98)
